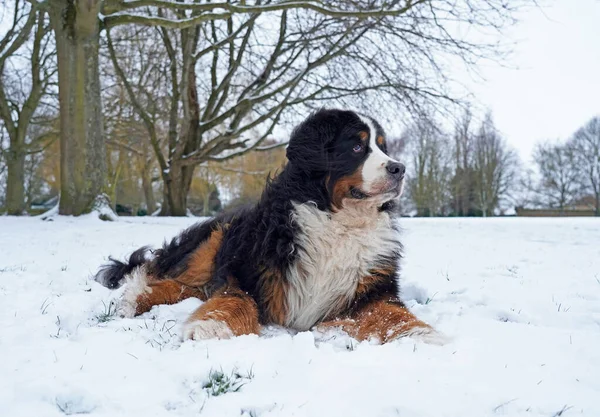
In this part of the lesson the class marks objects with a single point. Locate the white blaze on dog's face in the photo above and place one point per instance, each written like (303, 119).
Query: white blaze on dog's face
(380, 173)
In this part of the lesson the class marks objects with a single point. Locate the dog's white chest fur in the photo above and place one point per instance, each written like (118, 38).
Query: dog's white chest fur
(334, 251)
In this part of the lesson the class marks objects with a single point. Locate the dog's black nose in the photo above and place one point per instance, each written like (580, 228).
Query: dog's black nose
(396, 169)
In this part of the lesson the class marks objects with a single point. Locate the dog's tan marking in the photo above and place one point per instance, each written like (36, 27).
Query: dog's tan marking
(381, 320)
(341, 189)
(201, 263)
(230, 312)
(273, 294)
(166, 291)
(144, 291)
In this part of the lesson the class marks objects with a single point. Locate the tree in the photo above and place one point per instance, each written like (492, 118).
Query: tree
(462, 183)
(526, 194)
(431, 169)
(247, 66)
(126, 135)
(247, 175)
(396, 147)
(3, 144)
(20, 94)
(559, 174)
(76, 29)
(586, 146)
(494, 166)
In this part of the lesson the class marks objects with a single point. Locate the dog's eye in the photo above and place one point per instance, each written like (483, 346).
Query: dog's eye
(357, 148)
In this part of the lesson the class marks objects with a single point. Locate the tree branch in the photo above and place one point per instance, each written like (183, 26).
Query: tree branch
(137, 106)
(119, 17)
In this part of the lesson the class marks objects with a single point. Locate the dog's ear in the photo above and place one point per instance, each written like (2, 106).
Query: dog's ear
(310, 140)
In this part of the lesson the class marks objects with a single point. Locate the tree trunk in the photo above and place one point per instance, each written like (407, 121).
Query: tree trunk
(148, 191)
(176, 190)
(83, 153)
(15, 183)
(206, 203)
(179, 179)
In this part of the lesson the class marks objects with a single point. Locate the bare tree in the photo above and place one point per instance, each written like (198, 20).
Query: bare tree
(462, 183)
(3, 146)
(557, 166)
(429, 180)
(125, 131)
(526, 194)
(20, 93)
(245, 91)
(396, 147)
(586, 146)
(494, 166)
(254, 64)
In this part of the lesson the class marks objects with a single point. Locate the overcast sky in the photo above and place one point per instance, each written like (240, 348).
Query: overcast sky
(555, 85)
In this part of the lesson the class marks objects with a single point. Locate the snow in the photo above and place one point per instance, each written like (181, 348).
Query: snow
(519, 300)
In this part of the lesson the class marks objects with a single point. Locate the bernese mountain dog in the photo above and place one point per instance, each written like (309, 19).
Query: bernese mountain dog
(319, 250)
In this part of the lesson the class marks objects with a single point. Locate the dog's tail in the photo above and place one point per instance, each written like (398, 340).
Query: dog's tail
(112, 274)
(169, 261)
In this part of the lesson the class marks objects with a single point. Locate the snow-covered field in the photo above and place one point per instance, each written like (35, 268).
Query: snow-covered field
(519, 298)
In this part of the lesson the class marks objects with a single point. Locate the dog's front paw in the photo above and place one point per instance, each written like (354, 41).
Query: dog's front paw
(136, 285)
(206, 329)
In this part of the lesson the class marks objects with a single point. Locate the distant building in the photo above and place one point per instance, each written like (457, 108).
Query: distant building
(583, 207)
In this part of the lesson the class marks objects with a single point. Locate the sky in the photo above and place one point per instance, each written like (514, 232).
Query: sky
(551, 83)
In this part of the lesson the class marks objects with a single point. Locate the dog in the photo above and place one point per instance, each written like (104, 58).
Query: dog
(319, 250)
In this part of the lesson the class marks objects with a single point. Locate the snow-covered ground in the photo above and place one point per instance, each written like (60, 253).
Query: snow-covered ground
(520, 299)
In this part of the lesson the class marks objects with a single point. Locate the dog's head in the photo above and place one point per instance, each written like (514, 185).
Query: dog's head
(348, 152)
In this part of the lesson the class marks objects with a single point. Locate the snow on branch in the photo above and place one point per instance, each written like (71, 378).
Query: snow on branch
(117, 11)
